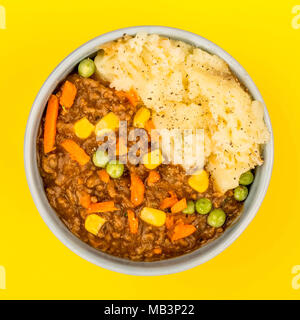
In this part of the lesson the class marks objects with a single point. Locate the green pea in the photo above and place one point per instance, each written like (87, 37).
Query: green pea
(190, 209)
(216, 218)
(240, 193)
(86, 67)
(246, 178)
(100, 158)
(115, 169)
(203, 206)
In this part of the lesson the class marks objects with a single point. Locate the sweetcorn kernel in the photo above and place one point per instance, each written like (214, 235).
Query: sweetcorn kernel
(83, 128)
(152, 159)
(108, 123)
(141, 117)
(154, 217)
(199, 181)
(93, 223)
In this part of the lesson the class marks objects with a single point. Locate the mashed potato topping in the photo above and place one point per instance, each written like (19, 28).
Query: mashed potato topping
(188, 88)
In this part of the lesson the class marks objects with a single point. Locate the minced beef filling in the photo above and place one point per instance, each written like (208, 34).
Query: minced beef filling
(65, 180)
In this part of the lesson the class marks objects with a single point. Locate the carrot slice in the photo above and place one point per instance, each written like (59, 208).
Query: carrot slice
(179, 206)
(169, 222)
(121, 148)
(132, 97)
(50, 124)
(85, 199)
(149, 125)
(153, 177)
(68, 94)
(105, 206)
(157, 251)
(75, 151)
(103, 175)
(182, 231)
(170, 201)
(133, 222)
(137, 190)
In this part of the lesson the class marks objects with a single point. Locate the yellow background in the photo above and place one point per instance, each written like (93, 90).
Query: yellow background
(259, 35)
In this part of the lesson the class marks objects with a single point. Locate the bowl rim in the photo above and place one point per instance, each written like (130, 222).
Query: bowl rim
(163, 267)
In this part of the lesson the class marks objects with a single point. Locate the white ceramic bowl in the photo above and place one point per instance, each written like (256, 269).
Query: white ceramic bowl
(190, 260)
